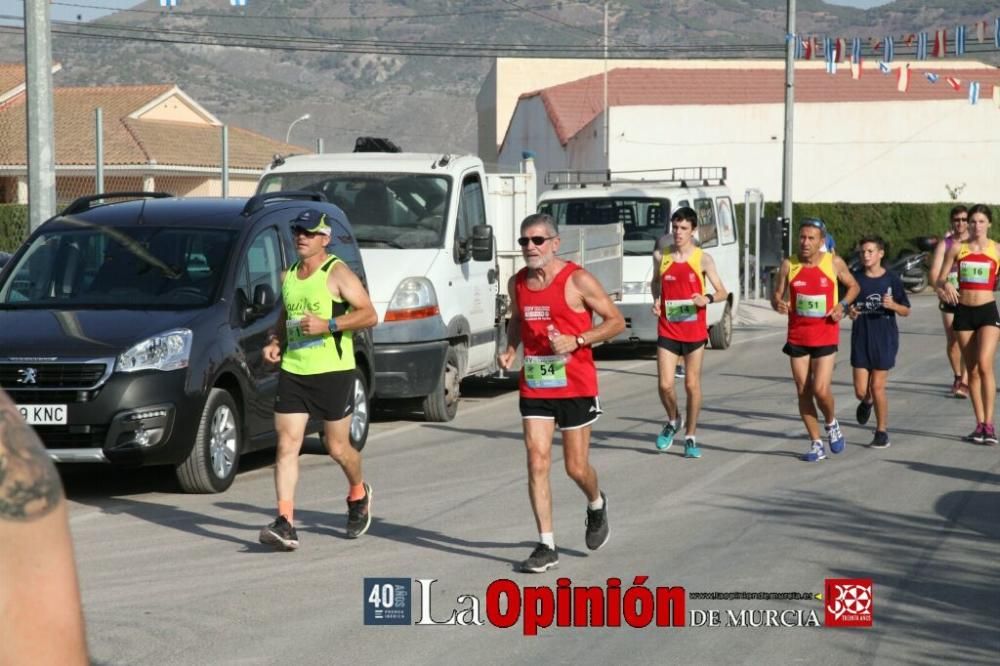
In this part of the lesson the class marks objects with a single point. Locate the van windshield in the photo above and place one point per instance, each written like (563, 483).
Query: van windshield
(139, 268)
(643, 219)
(386, 210)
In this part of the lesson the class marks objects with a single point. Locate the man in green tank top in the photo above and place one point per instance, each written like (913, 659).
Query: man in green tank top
(324, 302)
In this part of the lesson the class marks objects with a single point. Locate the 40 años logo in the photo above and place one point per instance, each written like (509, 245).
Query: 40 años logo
(533, 607)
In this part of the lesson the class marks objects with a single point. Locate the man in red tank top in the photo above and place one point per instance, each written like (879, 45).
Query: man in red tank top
(680, 303)
(552, 306)
(806, 291)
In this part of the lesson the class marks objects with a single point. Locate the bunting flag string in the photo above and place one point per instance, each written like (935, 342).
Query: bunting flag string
(841, 49)
(831, 62)
(996, 96)
(890, 49)
(996, 33)
(922, 46)
(168, 3)
(856, 49)
(956, 84)
(980, 31)
(960, 40)
(884, 67)
(856, 68)
(238, 3)
(931, 76)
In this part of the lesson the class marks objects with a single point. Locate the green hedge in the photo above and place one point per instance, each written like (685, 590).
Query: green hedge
(897, 223)
(13, 226)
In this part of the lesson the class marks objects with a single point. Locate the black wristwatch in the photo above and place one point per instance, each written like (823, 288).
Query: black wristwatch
(710, 297)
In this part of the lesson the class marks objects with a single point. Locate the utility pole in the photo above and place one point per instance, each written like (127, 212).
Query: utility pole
(786, 166)
(607, 138)
(41, 142)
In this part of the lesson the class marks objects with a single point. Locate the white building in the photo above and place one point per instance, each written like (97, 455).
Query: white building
(856, 140)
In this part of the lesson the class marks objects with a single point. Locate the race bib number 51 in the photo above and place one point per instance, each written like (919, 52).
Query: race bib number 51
(545, 371)
(807, 305)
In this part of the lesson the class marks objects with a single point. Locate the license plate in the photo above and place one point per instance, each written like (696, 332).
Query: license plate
(43, 414)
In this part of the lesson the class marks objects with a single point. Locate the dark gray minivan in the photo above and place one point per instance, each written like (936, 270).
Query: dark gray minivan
(131, 332)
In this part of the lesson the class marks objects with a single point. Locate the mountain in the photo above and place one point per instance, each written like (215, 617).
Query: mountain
(410, 69)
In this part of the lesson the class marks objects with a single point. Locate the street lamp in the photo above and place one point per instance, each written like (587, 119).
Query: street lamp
(288, 134)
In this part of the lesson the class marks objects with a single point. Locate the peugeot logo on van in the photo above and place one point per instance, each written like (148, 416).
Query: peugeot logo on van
(27, 376)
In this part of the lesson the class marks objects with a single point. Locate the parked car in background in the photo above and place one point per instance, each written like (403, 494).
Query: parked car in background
(4, 256)
(131, 333)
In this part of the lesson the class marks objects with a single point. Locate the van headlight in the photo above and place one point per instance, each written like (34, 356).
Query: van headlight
(635, 288)
(167, 351)
(414, 298)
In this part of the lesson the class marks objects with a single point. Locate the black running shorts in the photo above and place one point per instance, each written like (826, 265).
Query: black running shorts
(974, 317)
(678, 348)
(796, 351)
(568, 413)
(328, 396)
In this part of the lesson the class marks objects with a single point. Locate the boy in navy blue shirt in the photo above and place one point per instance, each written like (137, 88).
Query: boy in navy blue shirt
(874, 335)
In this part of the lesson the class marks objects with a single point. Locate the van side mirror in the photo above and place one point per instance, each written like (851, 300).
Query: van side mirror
(482, 242)
(263, 300)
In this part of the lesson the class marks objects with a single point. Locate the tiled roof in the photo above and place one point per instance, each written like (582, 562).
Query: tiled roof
(570, 106)
(11, 76)
(128, 141)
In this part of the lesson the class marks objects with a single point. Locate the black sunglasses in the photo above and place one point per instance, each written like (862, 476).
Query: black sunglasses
(302, 231)
(537, 240)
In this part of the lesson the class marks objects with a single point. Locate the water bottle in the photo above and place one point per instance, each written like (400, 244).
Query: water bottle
(554, 333)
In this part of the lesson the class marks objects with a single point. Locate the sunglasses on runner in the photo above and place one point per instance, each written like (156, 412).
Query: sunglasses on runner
(537, 240)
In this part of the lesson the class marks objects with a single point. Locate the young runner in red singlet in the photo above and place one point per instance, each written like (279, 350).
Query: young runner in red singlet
(680, 303)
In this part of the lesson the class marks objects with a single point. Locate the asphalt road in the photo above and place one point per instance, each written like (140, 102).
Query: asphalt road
(179, 579)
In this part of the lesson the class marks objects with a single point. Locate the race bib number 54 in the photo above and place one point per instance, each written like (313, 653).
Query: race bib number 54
(545, 371)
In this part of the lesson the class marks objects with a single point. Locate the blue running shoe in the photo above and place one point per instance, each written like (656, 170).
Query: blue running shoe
(816, 452)
(837, 440)
(691, 449)
(666, 437)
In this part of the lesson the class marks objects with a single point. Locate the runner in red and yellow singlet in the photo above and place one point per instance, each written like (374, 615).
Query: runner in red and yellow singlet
(552, 306)
(806, 291)
(977, 322)
(680, 303)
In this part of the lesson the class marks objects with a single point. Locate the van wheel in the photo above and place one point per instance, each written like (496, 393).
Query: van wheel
(442, 404)
(361, 417)
(721, 335)
(211, 466)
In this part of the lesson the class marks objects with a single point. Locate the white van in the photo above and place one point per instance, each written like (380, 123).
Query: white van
(642, 202)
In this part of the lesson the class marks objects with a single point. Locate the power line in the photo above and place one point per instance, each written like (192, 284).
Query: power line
(292, 17)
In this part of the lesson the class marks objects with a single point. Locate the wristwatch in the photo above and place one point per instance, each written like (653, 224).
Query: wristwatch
(580, 342)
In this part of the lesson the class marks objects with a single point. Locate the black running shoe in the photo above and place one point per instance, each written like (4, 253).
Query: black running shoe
(597, 525)
(881, 440)
(359, 515)
(281, 534)
(864, 412)
(542, 559)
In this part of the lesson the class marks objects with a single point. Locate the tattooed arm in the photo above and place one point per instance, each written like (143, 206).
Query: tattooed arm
(40, 617)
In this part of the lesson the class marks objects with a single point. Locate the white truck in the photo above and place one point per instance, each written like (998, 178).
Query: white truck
(642, 203)
(438, 239)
